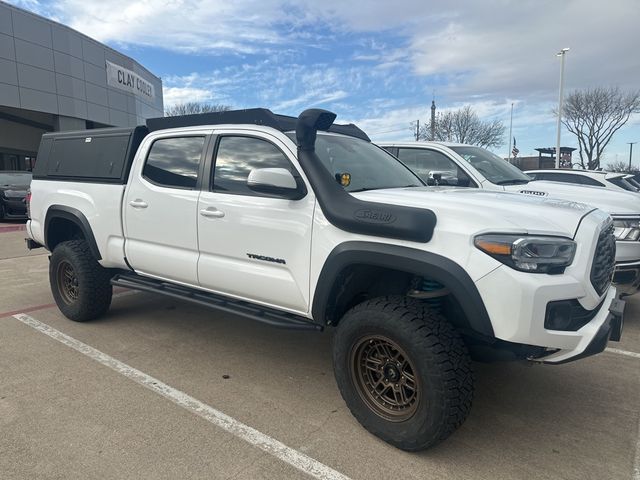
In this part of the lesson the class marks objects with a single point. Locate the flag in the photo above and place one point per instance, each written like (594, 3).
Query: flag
(515, 151)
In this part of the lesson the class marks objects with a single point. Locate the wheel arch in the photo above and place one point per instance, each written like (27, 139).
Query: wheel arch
(60, 224)
(403, 260)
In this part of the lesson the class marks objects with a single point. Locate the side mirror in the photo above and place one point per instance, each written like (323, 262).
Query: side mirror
(276, 181)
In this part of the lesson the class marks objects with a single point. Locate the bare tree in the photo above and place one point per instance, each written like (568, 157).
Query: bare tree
(622, 167)
(194, 107)
(594, 115)
(465, 126)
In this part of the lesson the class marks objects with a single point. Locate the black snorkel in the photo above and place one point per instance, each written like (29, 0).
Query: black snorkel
(344, 210)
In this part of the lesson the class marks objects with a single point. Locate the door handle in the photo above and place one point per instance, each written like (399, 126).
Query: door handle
(137, 203)
(211, 212)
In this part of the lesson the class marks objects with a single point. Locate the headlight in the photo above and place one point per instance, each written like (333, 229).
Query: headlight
(627, 230)
(529, 254)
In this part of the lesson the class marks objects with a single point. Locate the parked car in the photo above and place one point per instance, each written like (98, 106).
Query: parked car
(592, 178)
(478, 167)
(632, 180)
(304, 224)
(13, 193)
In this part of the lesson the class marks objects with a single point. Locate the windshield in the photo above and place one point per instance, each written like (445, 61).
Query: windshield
(369, 167)
(494, 168)
(15, 178)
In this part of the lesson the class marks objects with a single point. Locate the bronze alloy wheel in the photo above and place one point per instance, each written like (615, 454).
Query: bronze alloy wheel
(67, 282)
(385, 378)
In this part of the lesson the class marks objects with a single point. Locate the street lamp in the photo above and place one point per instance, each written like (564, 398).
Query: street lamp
(560, 54)
(631, 144)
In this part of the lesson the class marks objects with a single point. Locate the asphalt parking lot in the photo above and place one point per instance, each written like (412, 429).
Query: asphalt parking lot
(142, 393)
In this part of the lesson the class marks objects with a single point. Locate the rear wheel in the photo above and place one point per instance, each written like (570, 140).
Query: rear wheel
(80, 285)
(403, 371)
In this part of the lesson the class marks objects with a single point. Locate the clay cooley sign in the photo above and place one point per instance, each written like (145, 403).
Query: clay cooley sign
(125, 79)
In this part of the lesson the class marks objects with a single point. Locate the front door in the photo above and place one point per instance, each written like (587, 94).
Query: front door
(254, 245)
(161, 207)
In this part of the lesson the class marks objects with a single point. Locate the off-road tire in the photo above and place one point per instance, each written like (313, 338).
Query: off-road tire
(89, 296)
(439, 358)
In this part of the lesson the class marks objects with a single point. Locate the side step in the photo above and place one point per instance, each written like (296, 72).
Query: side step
(262, 314)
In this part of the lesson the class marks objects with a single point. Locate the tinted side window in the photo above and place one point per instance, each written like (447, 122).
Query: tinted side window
(558, 177)
(392, 150)
(590, 181)
(174, 162)
(237, 156)
(429, 164)
(571, 179)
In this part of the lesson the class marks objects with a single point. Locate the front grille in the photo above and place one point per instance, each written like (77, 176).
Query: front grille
(604, 261)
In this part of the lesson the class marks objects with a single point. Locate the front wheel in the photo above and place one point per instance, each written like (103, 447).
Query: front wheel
(403, 371)
(80, 285)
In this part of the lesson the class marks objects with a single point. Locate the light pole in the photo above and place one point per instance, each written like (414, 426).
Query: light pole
(630, 153)
(560, 54)
(510, 130)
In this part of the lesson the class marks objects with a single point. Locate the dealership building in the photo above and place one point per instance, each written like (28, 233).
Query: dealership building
(53, 78)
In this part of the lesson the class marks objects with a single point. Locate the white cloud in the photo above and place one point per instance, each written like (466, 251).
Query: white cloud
(176, 95)
(492, 47)
(488, 53)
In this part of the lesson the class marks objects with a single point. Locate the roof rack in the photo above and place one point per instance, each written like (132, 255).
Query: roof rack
(252, 116)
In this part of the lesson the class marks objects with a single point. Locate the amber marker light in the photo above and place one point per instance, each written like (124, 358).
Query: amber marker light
(493, 248)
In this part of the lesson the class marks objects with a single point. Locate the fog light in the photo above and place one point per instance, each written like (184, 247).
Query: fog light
(558, 316)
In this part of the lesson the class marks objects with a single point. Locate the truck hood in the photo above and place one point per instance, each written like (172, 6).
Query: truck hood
(614, 202)
(478, 209)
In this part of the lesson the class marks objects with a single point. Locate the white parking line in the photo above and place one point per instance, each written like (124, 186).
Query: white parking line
(636, 461)
(250, 435)
(623, 352)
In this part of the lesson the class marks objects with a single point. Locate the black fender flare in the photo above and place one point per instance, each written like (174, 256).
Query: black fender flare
(410, 260)
(77, 217)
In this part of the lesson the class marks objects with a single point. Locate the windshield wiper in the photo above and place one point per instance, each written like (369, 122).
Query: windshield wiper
(512, 182)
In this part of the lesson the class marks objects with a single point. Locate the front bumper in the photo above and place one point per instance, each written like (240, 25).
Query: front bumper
(627, 277)
(516, 303)
(611, 329)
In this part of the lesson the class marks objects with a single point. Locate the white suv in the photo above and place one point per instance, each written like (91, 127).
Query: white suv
(459, 165)
(622, 182)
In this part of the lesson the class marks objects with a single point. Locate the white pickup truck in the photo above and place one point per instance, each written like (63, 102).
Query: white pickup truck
(459, 165)
(301, 223)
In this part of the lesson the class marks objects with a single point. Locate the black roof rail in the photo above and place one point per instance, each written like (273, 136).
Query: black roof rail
(250, 116)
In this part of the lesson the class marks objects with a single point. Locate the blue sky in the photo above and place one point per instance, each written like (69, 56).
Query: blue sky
(376, 63)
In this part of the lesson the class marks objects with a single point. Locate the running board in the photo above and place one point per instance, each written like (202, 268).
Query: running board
(262, 314)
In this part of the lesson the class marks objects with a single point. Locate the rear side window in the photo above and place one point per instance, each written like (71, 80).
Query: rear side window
(174, 162)
(558, 177)
(237, 156)
(590, 181)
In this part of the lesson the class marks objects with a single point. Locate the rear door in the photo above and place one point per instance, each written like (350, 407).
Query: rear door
(253, 245)
(160, 209)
